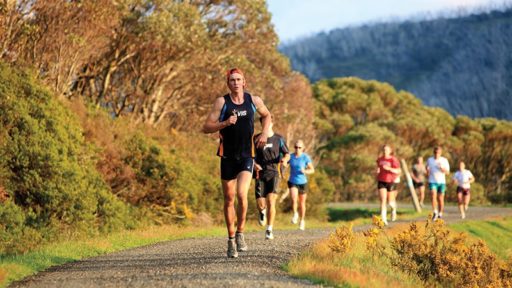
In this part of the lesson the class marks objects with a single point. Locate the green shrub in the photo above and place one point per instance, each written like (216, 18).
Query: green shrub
(48, 169)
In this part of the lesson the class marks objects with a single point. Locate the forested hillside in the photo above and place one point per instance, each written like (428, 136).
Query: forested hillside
(356, 117)
(462, 64)
(101, 104)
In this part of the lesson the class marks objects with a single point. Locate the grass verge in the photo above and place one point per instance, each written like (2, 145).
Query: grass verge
(496, 233)
(359, 268)
(17, 267)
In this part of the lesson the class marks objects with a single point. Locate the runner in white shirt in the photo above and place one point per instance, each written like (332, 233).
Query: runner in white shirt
(463, 178)
(437, 169)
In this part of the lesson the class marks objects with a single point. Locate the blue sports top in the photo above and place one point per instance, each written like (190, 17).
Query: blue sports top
(236, 141)
(296, 164)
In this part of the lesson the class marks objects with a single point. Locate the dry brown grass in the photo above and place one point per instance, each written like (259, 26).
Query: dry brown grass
(3, 275)
(426, 254)
(343, 259)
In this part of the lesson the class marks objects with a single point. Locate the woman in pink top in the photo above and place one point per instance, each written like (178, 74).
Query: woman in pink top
(388, 169)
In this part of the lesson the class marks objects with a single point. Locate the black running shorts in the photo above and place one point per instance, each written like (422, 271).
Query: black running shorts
(390, 186)
(230, 168)
(300, 187)
(418, 184)
(266, 186)
(464, 191)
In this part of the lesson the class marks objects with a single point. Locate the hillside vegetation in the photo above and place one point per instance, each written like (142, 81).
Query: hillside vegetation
(101, 104)
(356, 117)
(461, 64)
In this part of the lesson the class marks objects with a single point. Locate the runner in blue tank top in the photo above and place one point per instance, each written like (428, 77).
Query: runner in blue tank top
(300, 165)
(233, 117)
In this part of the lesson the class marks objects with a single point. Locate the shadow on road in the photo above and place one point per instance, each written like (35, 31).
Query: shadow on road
(337, 214)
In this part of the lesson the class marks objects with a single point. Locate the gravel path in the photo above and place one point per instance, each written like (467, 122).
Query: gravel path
(202, 262)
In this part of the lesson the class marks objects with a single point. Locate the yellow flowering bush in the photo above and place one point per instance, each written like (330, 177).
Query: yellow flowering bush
(340, 241)
(435, 255)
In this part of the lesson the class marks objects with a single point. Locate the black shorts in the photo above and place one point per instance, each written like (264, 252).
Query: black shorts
(390, 186)
(230, 168)
(417, 184)
(464, 191)
(266, 186)
(300, 187)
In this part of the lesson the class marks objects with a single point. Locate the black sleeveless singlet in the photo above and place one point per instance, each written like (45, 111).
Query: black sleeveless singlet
(236, 141)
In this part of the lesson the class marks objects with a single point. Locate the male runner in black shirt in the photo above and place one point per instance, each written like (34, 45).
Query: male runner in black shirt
(233, 116)
(269, 160)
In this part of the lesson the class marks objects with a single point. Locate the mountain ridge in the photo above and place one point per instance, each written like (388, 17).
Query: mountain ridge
(460, 64)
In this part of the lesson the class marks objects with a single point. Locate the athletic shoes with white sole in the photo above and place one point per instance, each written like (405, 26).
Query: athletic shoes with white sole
(295, 218)
(262, 217)
(393, 215)
(302, 225)
(232, 253)
(241, 246)
(269, 235)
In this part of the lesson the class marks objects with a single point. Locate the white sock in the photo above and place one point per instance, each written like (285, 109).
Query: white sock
(440, 214)
(269, 228)
(392, 205)
(436, 212)
(383, 214)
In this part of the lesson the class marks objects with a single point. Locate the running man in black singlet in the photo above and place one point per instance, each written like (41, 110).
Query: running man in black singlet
(233, 117)
(269, 160)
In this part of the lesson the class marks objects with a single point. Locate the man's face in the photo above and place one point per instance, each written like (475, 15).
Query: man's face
(236, 82)
(438, 152)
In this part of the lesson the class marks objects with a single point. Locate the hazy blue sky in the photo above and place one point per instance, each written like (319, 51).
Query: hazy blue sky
(296, 18)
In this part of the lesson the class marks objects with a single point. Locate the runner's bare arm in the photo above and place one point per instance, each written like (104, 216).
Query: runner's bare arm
(414, 178)
(285, 159)
(265, 117)
(212, 123)
(309, 169)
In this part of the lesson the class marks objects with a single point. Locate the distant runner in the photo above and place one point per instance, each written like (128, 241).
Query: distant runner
(233, 116)
(437, 169)
(388, 170)
(463, 178)
(300, 165)
(269, 160)
(418, 178)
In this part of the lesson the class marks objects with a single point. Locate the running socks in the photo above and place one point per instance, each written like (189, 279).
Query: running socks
(383, 215)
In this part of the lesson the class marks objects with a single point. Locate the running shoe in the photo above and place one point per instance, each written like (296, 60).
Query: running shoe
(232, 253)
(262, 217)
(241, 246)
(463, 215)
(295, 218)
(269, 235)
(435, 217)
(393, 215)
(302, 225)
(385, 221)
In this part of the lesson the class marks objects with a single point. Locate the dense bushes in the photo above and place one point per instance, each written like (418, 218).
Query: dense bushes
(435, 255)
(48, 170)
(356, 117)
